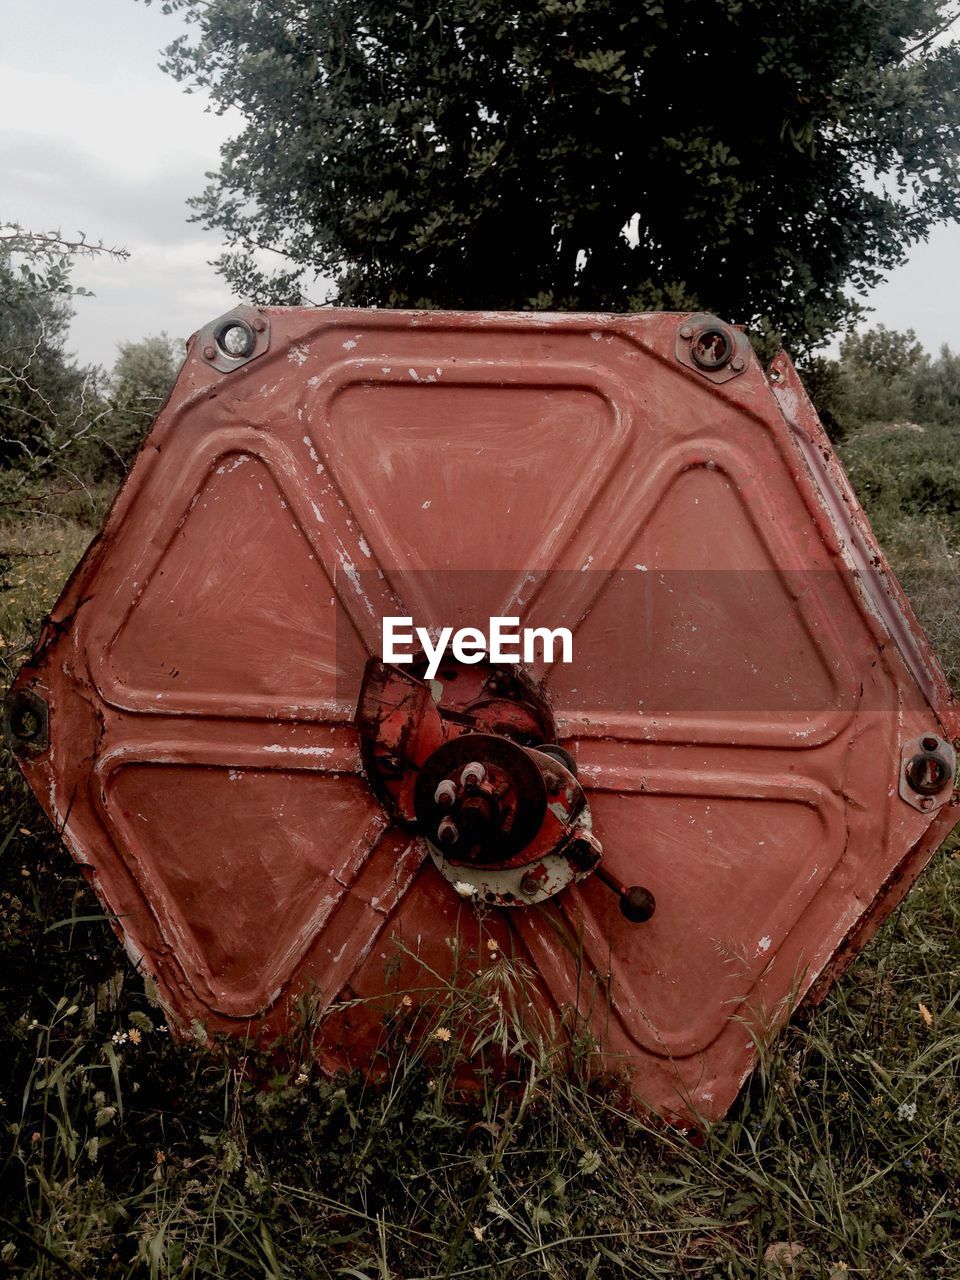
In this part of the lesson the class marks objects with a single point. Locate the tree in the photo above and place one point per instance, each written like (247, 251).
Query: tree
(884, 351)
(758, 159)
(878, 371)
(142, 376)
(936, 391)
(884, 378)
(38, 383)
(48, 405)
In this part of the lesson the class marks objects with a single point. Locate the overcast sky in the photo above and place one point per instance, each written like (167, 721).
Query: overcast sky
(94, 137)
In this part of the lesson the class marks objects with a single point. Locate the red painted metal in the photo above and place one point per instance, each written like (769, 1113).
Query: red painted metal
(747, 675)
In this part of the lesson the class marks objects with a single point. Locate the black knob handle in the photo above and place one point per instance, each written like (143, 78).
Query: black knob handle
(637, 904)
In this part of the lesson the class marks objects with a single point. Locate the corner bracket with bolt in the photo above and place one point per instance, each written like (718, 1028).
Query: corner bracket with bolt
(234, 339)
(711, 348)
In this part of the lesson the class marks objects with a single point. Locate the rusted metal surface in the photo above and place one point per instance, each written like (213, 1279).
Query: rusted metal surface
(748, 690)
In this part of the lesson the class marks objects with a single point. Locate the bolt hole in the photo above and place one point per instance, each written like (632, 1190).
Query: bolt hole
(26, 724)
(712, 348)
(236, 339)
(927, 774)
(930, 743)
(774, 375)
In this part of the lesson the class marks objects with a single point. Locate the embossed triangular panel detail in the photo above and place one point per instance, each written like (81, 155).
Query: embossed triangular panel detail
(238, 606)
(501, 489)
(288, 844)
(701, 620)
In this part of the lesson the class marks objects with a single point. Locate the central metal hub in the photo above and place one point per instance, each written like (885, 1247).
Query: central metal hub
(470, 760)
(480, 798)
(506, 825)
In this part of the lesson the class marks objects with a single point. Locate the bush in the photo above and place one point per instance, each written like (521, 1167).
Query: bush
(881, 378)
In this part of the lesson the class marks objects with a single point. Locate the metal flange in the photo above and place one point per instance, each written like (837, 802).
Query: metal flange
(712, 348)
(234, 339)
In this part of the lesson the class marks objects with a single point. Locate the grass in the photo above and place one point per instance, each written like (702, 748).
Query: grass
(123, 1154)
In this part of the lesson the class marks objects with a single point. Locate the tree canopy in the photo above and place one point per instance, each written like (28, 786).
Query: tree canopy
(143, 374)
(765, 159)
(39, 384)
(56, 416)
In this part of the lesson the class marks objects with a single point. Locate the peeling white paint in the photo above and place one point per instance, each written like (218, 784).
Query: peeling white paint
(353, 576)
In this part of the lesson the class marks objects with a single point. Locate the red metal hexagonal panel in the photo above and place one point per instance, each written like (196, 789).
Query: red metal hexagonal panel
(746, 674)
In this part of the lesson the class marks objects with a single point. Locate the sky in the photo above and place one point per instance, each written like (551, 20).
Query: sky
(95, 138)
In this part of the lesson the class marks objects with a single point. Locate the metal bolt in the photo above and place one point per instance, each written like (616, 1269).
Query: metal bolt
(530, 884)
(686, 331)
(473, 774)
(448, 832)
(738, 363)
(445, 794)
(260, 324)
(209, 351)
(927, 802)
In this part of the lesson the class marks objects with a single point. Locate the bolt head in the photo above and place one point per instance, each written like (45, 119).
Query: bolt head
(209, 351)
(927, 802)
(530, 884)
(686, 331)
(738, 363)
(448, 832)
(473, 774)
(445, 795)
(260, 324)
